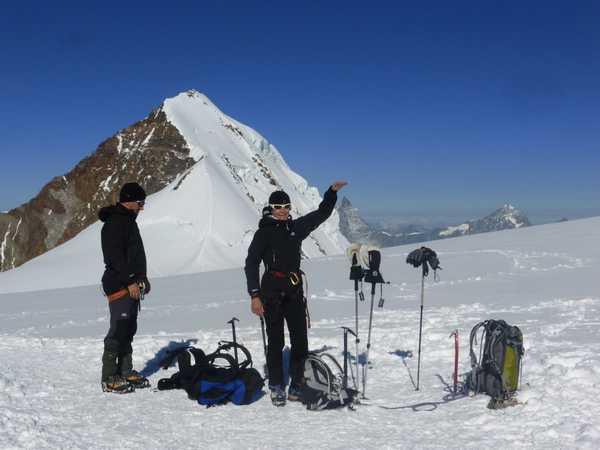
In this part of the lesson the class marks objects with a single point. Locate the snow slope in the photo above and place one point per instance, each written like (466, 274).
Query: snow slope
(543, 279)
(204, 220)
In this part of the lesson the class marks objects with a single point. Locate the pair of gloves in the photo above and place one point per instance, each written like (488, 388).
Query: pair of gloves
(424, 257)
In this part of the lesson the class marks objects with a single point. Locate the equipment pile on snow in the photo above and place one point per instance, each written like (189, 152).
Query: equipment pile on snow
(217, 378)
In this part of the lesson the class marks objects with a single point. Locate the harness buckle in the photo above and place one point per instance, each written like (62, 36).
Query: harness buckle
(294, 278)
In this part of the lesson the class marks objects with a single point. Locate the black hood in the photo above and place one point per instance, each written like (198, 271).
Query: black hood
(117, 209)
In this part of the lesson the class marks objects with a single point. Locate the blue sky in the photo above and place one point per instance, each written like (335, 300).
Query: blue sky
(440, 110)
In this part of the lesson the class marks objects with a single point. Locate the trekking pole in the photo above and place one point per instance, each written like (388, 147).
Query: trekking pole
(421, 258)
(356, 339)
(421, 326)
(373, 276)
(455, 334)
(366, 369)
(235, 352)
(356, 274)
(262, 327)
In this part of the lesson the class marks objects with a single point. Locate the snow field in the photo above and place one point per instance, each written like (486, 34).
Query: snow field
(543, 279)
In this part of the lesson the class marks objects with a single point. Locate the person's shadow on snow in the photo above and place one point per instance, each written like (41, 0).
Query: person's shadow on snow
(172, 348)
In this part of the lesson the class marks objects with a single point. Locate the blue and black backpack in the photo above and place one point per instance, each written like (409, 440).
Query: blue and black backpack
(216, 378)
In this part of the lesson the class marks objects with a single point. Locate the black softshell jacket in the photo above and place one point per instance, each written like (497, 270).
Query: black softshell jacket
(122, 247)
(278, 243)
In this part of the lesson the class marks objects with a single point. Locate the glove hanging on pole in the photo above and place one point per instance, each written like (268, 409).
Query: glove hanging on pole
(426, 257)
(356, 274)
(371, 257)
(423, 257)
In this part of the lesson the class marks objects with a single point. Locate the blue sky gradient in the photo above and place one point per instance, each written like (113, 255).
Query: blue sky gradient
(437, 110)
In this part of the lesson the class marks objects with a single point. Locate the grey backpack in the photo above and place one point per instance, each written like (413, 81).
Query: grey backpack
(323, 383)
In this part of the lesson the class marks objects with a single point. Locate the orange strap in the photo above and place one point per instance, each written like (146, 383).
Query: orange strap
(117, 295)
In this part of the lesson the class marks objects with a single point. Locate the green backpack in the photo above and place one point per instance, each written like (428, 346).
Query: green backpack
(498, 369)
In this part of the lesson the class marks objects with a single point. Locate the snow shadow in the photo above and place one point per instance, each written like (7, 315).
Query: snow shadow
(404, 354)
(432, 406)
(154, 365)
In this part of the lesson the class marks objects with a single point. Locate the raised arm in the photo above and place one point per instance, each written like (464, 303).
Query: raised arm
(311, 221)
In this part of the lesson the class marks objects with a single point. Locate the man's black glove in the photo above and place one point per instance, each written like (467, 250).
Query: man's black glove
(423, 256)
(146, 286)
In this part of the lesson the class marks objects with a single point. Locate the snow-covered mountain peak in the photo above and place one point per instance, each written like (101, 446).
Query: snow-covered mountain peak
(212, 176)
(509, 214)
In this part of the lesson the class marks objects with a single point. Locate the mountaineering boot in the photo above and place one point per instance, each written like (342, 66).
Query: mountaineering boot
(277, 396)
(117, 384)
(125, 363)
(499, 403)
(132, 376)
(294, 394)
(136, 380)
(109, 364)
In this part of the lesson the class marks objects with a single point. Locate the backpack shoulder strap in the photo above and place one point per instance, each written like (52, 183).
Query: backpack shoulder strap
(228, 345)
(229, 371)
(334, 361)
(472, 340)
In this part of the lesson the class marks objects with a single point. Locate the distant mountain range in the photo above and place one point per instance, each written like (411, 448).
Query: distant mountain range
(356, 229)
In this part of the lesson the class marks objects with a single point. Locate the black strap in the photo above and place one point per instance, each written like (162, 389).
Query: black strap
(225, 346)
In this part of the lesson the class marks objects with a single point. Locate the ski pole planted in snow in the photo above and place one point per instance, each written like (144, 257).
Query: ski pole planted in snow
(372, 258)
(232, 322)
(356, 275)
(421, 258)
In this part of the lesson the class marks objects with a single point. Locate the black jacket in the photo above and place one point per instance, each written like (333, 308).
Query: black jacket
(278, 244)
(122, 247)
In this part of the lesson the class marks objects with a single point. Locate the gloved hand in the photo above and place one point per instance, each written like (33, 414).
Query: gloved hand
(146, 286)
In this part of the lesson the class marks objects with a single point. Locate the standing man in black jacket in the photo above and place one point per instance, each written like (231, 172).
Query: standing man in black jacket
(279, 296)
(124, 283)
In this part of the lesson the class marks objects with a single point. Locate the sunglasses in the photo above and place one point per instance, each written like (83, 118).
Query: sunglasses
(141, 204)
(282, 206)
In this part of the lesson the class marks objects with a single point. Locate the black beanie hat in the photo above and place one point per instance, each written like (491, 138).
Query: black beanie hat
(132, 192)
(279, 198)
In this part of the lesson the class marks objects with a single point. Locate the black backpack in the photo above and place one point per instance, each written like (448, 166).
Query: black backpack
(323, 383)
(216, 378)
(498, 369)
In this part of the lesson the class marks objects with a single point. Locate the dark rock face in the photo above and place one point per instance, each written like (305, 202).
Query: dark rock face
(151, 152)
(352, 226)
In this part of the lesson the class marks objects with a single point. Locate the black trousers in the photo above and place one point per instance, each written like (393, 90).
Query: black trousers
(288, 306)
(123, 325)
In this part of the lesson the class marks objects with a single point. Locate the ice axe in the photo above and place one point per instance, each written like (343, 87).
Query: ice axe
(345, 381)
(455, 334)
(262, 327)
(235, 352)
